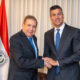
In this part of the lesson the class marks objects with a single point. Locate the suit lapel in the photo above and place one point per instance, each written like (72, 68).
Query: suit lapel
(52, 42)
(63, 38)
(26, 41)
(35, 41)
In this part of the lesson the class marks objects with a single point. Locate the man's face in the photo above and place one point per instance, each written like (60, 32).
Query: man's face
(29, 27)
(56, 17)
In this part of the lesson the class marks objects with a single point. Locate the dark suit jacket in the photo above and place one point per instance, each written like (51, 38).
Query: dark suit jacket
(23, 63)
(68, 54)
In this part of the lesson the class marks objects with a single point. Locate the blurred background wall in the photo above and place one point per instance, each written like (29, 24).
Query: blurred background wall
(18, 9)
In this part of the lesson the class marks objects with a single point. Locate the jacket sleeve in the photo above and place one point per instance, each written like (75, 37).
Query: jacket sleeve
(16, 53)
(75, 57)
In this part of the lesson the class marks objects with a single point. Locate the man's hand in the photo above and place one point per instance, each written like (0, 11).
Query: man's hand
(46, 64)
(50, 61)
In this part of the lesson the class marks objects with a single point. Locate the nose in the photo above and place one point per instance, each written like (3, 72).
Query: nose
(31, 28)
(56, 16)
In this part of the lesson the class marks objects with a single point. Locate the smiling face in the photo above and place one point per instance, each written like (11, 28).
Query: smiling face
(56, 17)
(29, 27)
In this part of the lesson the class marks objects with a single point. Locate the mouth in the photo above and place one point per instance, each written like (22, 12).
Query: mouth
(57, 20)
(30, 32)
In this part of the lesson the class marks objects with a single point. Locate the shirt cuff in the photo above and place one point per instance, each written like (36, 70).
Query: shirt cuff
(58, 63)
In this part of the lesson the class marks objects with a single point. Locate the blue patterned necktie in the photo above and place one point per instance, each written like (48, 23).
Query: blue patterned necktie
(57, 47)
(31, 41)
(57, 39)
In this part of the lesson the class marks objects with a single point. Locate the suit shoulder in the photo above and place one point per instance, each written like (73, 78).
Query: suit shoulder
(72, 28)
(35, 38)
(15, 36)
(49, 31)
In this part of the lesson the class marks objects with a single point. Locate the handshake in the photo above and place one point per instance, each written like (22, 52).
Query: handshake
(49, 62)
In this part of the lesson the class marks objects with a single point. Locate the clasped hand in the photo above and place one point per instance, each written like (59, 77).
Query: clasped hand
(49, 62)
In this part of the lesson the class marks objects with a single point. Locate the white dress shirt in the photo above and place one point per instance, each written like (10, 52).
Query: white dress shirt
(55, 31)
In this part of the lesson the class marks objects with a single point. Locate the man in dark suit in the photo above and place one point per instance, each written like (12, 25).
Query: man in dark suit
(62, 48)
(24, 59)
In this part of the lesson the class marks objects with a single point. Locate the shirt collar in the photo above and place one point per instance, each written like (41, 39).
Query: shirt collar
(30, 37)
(61, 27)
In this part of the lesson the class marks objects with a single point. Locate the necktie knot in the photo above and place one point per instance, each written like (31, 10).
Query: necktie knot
(30, 39)
(58, 30)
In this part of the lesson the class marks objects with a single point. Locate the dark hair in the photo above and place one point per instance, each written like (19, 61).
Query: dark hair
(30, 17)
(55, 7)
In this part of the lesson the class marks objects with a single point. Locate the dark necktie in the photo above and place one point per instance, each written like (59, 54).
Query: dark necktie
(31, 41)
(57, 47)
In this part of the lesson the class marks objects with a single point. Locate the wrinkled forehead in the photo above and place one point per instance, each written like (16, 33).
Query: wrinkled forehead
(30, 21)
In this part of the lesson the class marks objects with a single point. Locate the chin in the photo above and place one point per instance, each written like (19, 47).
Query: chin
(59, 24)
